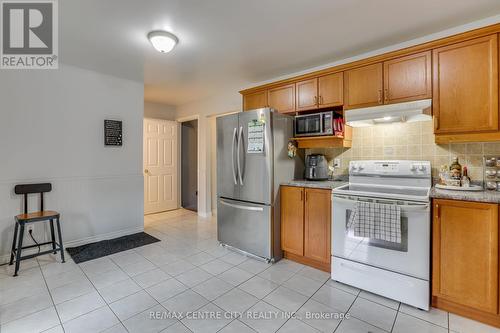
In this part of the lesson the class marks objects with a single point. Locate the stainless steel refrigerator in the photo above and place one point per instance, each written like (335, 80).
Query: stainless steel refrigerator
(252, 161)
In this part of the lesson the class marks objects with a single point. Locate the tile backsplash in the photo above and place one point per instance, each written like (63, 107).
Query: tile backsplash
(409, 141)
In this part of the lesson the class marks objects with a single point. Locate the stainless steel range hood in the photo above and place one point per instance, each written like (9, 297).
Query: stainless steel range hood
(383, 114)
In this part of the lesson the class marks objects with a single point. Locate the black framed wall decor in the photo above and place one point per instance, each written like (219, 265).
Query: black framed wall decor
(113, 133)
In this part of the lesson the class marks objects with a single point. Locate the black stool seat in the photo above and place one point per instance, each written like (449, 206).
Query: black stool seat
(37, 216)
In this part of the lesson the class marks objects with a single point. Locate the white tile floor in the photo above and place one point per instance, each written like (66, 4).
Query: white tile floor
(189, 272)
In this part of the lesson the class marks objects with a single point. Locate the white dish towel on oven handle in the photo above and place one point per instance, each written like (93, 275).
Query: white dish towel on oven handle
(376, 221)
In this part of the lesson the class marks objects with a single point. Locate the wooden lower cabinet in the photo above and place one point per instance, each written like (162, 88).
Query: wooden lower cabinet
(292, 219)
(465, 259)
(306, 226)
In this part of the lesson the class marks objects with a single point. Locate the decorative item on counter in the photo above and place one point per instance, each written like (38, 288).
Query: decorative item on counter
(464, 184)
(491, 185)
(465, 178)
(490, 161)
(292, 148)
(491, 175)
(455, 173)
(444, 174)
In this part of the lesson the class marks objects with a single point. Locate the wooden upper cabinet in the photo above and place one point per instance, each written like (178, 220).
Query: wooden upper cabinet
(408, 78)
(282, 98)
(307, 95)
(317, 225)
(331, 90)
(292, 219)
(255, 100)
(363, 86)
(465, 86)
(465, 254)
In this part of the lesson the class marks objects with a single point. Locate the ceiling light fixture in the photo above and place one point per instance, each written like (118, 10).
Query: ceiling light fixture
(163, 41)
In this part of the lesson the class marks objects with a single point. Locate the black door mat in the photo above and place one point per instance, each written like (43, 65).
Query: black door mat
(106, 247)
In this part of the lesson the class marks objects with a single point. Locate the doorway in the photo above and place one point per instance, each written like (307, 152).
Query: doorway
(189, 165)
(160, 165)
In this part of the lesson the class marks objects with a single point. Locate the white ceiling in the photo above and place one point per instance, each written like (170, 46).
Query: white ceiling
(231, 43)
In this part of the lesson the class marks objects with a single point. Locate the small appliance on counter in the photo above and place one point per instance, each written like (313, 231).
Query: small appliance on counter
(316, 167)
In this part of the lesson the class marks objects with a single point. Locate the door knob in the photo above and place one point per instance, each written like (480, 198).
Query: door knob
(146, 171)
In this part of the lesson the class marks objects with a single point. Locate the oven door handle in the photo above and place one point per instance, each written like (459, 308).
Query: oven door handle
(407, 208)
(413, 208)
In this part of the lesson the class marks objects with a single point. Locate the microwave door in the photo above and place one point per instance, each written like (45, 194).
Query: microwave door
(308, 125)
(300, 126)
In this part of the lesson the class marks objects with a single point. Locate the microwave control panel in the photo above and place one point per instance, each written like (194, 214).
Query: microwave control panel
(327, 123)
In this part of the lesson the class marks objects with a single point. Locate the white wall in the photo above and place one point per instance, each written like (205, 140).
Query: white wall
(159, 111)
(51, 130)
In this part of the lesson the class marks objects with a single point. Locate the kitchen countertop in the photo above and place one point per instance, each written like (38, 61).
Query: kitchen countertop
(479, 196)
(324, 184)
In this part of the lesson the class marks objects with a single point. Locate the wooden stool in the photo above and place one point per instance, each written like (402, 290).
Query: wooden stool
(40, 216)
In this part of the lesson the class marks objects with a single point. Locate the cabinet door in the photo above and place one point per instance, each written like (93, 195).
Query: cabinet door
(363, 86)
(408, 78)
(307, 94)
(282, 99)
(255, 100)
(317, 224)
(465, 253)
(465, 86)
(292, 219)
(331, 90)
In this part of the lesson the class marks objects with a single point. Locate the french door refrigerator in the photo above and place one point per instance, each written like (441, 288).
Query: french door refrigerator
(252, 161)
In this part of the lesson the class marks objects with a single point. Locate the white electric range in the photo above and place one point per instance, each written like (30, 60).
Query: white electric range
(399, 271)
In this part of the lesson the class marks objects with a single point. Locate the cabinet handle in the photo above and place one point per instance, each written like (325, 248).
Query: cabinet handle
(438, 212)
(316, 100)
(436, 122)
(320, 100)
(380, 96)
(386, 95)
(301, 196)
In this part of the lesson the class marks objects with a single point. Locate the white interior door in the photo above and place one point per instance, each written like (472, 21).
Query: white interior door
(160, 165)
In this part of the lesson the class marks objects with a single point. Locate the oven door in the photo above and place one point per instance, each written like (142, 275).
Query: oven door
(308, 125)
(410, 257)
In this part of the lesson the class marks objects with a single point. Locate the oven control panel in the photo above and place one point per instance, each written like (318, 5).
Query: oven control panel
(387, 167)
(390, 168)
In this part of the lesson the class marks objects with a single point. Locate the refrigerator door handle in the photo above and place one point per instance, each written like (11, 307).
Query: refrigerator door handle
(240, 140)
(232, 157)
(259, 209)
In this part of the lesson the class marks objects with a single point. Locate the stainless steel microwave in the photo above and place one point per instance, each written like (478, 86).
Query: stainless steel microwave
(314, 124)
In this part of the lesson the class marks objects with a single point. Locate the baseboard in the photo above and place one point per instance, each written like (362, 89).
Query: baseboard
(98, 238)
(204, 214)
(92, 239)
(465, 311)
